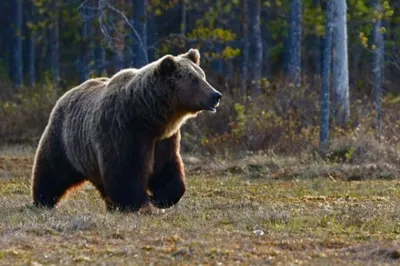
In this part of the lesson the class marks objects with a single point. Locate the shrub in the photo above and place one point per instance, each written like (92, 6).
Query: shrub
(24, 115)
(283, 120)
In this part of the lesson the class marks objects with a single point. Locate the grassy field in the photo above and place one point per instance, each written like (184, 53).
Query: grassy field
(267, 211)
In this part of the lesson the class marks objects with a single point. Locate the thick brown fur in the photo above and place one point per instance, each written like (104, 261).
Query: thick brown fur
(122, 134)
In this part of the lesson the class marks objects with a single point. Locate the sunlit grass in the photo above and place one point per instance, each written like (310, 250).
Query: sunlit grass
(225, 218)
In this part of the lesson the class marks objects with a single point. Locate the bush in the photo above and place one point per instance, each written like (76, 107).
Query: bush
(283, 120)
(286, 121)
(24, 115)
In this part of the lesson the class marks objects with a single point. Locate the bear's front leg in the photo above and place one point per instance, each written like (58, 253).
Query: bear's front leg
(167, 183)
(125, 172)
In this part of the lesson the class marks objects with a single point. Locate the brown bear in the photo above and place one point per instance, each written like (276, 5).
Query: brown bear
(122, 134)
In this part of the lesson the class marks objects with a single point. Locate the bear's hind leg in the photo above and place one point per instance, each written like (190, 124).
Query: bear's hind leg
(53, 176)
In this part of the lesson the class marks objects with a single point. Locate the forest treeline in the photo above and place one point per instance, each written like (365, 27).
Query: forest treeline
(331, 50)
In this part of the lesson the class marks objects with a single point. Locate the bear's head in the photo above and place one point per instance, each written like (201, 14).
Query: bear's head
(188, 82)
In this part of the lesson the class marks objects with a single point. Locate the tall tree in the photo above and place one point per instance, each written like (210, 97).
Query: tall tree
(129, 39)
(255, 47)
(152, 37)
(340, 66)
(31, 47)
(378, 41)
(317, 46)
(326, 72)
(118, 37)
(54, 43)
(266, 40)
(140, 26)
(16, 44)
(244, 48)
(183, 23)
(87, 37)
(294, 42)
(99, 51)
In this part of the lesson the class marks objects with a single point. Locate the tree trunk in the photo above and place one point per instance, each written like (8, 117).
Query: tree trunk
(340, 68)
(326, 72)
(54, 45)
(4, 31)
(378, 67)
(140, 41)
(16, 44)
(119, 39)
(31, 70)
(86, 49)
(100, 53)
(294, 43)
(255, 48)
(317, 48)
(244, 49)
(217, 64)
(152, 38)
(183, 23)
(266, 40)
(129, 40)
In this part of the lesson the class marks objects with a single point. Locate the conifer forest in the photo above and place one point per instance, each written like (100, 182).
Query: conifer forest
(300, 163)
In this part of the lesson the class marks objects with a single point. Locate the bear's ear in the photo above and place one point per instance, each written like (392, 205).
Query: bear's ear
(167, 64)
(193, 55)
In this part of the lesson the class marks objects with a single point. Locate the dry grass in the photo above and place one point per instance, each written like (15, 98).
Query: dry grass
(251, 213)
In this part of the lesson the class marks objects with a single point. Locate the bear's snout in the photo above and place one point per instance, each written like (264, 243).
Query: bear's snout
(213, 100)
(216, 98)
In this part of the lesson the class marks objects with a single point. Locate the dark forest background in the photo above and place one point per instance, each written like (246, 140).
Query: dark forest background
(296, 75)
